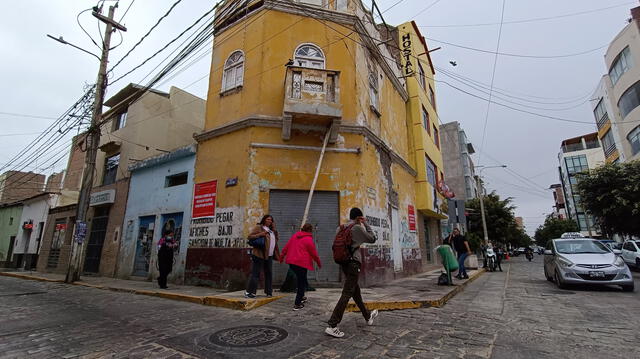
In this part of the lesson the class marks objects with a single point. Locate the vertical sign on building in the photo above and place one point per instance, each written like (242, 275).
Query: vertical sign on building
(412, 218)
(204, 199)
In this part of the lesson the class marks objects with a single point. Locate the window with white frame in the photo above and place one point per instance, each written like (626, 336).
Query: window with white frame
(373, 92)
(621, 64)
(233, 74)
(634, 139)
(600, 112)
(309, 55)
(608, 143)
(120, 120)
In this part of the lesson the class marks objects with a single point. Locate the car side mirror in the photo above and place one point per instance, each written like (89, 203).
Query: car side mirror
(547, 252)
(617, 252)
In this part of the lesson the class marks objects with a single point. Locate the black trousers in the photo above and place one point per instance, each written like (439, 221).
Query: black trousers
(301, 279)
(164, 268)
(351, 289)
(258, 265)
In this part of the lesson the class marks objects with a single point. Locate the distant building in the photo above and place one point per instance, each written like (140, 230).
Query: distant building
(458, 165)
(616, 101)
(579, 154)
(18, 185)
(560, 210)
(519, 223)
(10, 214)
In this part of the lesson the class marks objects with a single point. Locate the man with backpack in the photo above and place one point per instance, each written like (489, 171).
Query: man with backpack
(346, 252)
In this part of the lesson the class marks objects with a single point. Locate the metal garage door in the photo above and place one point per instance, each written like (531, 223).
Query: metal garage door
(287, 209)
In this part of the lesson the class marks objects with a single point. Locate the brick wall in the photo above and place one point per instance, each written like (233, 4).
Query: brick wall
(17, 185)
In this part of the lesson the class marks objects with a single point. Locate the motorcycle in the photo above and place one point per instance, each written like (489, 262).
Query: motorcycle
(529, 255)
(491, 259)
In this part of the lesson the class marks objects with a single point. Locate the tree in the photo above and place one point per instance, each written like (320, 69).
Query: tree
(553, 228)
(501, 224)
(611, 193)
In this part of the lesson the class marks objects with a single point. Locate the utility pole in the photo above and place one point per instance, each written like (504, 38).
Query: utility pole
(92, 142)
(482, 193)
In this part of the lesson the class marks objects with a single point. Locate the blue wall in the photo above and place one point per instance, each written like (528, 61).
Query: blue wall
(149, 196)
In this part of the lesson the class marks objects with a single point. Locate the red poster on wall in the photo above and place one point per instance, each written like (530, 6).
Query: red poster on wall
(412, 218)
(204, 199)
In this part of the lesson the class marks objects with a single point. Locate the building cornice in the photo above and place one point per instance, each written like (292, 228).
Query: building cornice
(276, 122)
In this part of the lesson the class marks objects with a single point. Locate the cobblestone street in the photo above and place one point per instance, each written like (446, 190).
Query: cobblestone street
(513, 314)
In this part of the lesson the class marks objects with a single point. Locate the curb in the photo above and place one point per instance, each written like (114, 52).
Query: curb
(411, 304)
(214, 301)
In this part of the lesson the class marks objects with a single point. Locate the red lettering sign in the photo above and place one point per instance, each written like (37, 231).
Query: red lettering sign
(412, 218)
(204, 199)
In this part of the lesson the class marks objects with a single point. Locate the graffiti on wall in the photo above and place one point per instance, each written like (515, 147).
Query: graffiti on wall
(408, 238)
(224, 230)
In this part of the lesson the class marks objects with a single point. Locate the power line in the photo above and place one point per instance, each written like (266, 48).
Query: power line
(126, 11)
(145, 35)
(535, 19)
(493, 76)
(519, 55)
(30, 116)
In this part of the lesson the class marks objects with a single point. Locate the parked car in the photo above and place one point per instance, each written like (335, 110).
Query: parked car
(585, 261)
(631, 253)
(613, 245)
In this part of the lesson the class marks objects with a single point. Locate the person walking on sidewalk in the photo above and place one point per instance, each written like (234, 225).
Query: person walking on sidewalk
(360, 233)
(461, 245)
(165, 257)
(262, 257)
(300, 253)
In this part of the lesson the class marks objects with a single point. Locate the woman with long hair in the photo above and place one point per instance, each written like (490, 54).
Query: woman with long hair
(262, 257)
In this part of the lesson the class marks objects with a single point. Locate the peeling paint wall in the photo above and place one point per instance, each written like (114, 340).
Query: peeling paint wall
(376, 179)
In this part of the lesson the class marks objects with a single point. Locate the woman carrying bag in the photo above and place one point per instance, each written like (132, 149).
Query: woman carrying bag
(264, 240)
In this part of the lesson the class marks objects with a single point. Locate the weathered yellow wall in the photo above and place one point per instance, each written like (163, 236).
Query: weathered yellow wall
(419, 98)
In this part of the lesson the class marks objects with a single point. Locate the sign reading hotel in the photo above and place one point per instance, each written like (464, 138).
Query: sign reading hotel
(204, 199)
(412, 218)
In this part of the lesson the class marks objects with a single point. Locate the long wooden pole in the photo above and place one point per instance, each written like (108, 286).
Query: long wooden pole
(315, 178)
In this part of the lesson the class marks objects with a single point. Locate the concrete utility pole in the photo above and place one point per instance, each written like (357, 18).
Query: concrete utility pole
(482, 192)
(92, 142)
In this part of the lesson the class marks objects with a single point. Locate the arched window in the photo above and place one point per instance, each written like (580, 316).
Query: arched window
(308, 55)
(233, 71)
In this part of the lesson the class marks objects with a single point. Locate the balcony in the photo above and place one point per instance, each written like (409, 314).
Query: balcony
(312, 97)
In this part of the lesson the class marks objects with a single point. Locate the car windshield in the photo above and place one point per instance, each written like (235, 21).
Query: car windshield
(581, 246)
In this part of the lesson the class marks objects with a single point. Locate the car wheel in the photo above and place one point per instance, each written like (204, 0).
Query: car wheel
(558, 281)
(627, 288)
(547, 275)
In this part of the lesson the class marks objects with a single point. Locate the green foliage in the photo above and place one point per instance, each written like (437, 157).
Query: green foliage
(501, 224)
(611, 193)
(553, 228)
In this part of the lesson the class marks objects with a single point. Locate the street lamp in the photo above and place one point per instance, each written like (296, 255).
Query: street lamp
(484, 221)
(63, 41)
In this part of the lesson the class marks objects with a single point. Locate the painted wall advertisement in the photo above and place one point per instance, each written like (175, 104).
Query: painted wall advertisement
(204, 199)
(223, 230)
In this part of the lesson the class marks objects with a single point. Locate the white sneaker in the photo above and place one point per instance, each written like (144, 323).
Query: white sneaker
(374, 313)
(334, 332)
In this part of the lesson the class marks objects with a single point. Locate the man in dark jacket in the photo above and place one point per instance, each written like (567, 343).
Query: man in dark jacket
(360, 233)
(461, 245)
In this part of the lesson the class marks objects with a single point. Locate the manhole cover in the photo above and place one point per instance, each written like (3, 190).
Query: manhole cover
(248, 336)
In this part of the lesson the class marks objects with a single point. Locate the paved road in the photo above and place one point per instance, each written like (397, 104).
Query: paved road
(513, 314)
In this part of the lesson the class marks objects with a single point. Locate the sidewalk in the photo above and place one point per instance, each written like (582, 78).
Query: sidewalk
(406, 293)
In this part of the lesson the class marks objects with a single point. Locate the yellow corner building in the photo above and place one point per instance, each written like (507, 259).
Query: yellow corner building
(286, 77)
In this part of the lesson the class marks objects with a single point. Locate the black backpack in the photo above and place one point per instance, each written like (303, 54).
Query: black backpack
(443, 279)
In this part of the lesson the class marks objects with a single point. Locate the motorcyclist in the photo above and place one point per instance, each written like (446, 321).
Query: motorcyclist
(528, 251)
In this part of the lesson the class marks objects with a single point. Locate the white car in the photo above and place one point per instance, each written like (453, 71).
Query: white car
(585, 261)
(631, 253)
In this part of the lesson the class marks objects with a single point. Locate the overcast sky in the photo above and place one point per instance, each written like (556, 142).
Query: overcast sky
(42, 78)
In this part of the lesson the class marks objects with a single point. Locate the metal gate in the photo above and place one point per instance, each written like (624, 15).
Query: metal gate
(144, 246)
(96, 239)
(287, 209)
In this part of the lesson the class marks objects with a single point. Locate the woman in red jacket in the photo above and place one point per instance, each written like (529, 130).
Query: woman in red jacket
(299, 254)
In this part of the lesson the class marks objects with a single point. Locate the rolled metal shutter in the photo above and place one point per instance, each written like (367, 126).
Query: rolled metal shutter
(287, 208)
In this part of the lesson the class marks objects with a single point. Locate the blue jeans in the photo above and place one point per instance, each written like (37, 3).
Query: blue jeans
(462, 271)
